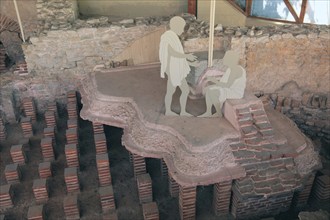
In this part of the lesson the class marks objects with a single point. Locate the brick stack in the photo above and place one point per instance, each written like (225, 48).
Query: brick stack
(6, 195)
(71, 207)
(2, 58)
(221, 198)
(100, 143)
(26, 125)
(21, 69)
(71, 179)
(17, 154)
(47, 151)
(3, 132)
(28, 108)
(45, 170)
(107, 199)
(103, 169)
(139, 165)
(71, 154)
(72, 105)
(72, 123)
(71, 136)
(163, 168)
(98, 128)
(150, 211)
(321, 190)
(300, 198)
(35, 213)
(40, 190)
(71, 96)
(144, 185)
(173, 187)
(72, 110)
(187, 202)
(49, 132)
(12, 173)
(52, 107)
(50, 118)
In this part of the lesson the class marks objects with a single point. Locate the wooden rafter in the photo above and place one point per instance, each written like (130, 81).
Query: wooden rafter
(303, 11)
(291, 9)
(192, 7)
(236, 6)
(248, 7)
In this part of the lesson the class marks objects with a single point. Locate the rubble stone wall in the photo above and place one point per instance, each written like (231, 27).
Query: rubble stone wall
(303, 58)
(56, 14)
(311, 113)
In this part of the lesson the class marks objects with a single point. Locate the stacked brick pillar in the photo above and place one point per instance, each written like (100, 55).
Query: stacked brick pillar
(106, 193)
(221, 197)
(71, 207)
(40, 190)
(173, 187)
(300, 198)
(2, 58)
(321, 190)
(36, 213)
(150, 211)
(107, 199)
(139, 165)
(12, 173)
(103, 169)
(6, 196)
(187, 202)
(29, 108)
(144, 185)
(72, 146)
(3, 132)
(26, 125)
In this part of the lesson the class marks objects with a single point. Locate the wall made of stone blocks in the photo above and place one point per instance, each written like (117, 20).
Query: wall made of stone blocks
(56, 14)
(272, 61)
(246, 208)
(77, 52)
(309, 110)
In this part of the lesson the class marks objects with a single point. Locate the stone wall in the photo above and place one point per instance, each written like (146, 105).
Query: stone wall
(77, 52)
(56, 14)
(309, 110)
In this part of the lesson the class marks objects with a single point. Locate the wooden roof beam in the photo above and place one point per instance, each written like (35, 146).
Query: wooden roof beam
(303, 11)
(248, 7)
(292, 11)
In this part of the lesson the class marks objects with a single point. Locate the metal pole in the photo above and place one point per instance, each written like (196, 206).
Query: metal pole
(211, 33)
(19, 20)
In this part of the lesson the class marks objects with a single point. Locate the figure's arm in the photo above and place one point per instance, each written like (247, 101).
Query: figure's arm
(212, 79)
(177, 54)
(194, 64)
(235, 74)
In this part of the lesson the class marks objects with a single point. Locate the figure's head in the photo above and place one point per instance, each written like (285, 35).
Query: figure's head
(231, 58)
(177, 25)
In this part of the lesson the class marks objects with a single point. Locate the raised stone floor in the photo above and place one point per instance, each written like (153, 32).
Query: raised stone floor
(197, 151)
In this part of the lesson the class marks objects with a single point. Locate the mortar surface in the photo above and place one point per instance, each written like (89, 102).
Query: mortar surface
(196, 150)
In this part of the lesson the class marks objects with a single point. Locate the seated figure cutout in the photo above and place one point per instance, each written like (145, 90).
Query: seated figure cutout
(174, 62)
(231, 85)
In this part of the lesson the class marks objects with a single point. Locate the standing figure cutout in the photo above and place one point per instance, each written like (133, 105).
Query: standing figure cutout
(174, 62)
(231, 85)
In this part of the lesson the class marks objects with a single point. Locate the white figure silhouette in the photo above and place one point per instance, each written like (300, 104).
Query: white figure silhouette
(174, 63)
(231, 85)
